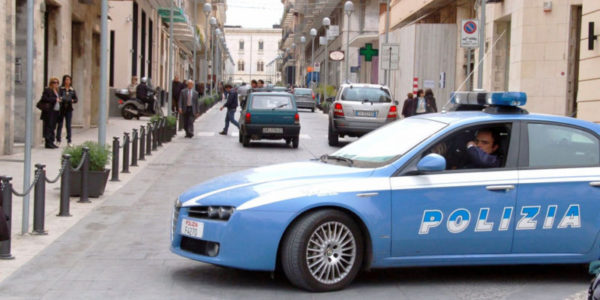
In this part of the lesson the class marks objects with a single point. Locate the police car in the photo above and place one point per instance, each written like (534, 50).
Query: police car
(495, 186)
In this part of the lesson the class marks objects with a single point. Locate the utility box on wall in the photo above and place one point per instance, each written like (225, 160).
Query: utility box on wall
(428, 53)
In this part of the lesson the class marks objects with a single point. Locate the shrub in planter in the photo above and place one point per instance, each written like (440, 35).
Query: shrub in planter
(325, 106)
(171, 124)
(98, 174)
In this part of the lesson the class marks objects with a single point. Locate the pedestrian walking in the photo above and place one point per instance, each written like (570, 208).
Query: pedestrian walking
(200, 89)
(50, 106)
(177, 87)
(422, 104)
(407, 107)
(188, 107)
(68, 97)
(261, 83)
(231, 105)
(430, 101)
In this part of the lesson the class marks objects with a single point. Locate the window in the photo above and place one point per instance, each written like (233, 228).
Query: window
(241, 45)
(366, 93)
(240, 65)
(272, 102)
(475, 147)
(260, 66)
(555, 146)
(261, 45)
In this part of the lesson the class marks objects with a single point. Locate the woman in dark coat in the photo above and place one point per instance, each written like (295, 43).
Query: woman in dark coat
(50, 98)
(430, 100)
(68, 98)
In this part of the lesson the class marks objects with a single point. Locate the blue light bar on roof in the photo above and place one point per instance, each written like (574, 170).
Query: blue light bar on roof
(489, 98)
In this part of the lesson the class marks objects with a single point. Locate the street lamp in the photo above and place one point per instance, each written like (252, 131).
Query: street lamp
(207, 10)
(348, 8)
(302, 62)
(216, 62)
(313, 33)
(326, 22)
(213, 23)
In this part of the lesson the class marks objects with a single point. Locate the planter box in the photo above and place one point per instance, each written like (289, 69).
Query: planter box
(96, 183)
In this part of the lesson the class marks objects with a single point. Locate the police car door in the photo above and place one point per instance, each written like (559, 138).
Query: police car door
(558, 202)
(447, 214)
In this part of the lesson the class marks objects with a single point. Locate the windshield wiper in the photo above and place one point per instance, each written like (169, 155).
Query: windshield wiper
(279, 106)
(326, 157)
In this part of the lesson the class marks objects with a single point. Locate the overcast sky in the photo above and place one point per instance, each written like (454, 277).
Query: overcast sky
(254, 13)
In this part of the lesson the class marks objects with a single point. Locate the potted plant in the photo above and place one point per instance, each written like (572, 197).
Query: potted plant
(171, 127)
(97, 175)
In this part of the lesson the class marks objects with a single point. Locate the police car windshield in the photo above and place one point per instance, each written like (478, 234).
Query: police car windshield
(390, 142)
(371, 94)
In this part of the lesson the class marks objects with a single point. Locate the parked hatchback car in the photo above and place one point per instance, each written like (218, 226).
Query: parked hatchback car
(359, 109)
(270, 115)
(305, 98)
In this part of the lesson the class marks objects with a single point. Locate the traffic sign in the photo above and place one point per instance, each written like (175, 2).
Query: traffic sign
(336, 55)
(469, 37)
(317, 67)
(390, 56)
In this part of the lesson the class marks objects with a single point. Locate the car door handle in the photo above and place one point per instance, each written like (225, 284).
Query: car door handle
(595, 183)
(507, 187)
(366, 195)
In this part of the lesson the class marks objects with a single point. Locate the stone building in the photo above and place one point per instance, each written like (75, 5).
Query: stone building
(251, 51)
(536, 46)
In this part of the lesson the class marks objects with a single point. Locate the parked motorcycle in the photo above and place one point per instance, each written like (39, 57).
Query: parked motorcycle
(136, 108)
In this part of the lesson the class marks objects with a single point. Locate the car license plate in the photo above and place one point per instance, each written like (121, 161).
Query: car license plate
(366, 113)
(272, 130)
(192, 228)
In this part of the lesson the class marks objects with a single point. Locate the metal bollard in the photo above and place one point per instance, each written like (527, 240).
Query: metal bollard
(158, 130)
(125, 153)
(154, 136)
(65, 187)
(164, 129)
(115, 159)
(85, 170)
(134, 148)
(142, 142)
(149, 140)
(7, 206)
(39, 201)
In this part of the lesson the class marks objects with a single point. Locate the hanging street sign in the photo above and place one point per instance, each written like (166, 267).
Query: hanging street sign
(333, 32)
(469, 35)
(390, 56)
(336, 55)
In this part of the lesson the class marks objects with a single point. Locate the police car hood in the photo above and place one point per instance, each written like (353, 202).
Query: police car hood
(236, 188)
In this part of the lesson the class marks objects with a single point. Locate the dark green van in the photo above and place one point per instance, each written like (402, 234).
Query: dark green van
(271, 116)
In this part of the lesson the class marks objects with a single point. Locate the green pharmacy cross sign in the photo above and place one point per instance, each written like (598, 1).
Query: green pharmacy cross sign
(368, 52)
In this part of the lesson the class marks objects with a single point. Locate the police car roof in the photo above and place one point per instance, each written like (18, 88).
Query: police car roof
(467, 117)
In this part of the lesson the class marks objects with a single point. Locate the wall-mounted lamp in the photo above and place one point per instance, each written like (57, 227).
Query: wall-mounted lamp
(591, 36)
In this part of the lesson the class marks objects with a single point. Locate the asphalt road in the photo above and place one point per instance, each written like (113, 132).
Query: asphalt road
(121, 249)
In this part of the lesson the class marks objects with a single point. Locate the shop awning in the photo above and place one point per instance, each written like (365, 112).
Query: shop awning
(178, 15)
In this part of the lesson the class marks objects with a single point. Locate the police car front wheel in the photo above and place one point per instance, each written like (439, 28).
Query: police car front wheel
(323, 251)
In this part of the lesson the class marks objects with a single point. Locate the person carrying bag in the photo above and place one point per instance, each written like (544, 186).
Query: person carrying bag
(50, 108)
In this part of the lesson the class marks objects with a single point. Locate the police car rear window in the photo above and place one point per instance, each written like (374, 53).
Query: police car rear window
(272, 102)
(370, 94)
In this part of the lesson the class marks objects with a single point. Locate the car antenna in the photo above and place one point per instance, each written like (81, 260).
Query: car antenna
(444, 108)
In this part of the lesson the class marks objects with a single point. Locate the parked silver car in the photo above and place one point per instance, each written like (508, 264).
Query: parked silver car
(359, 109)
(305, 98)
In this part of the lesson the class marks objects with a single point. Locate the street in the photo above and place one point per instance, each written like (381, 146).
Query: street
(121, 249)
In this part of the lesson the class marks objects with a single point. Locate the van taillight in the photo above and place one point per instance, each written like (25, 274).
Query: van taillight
(248, 117)
(393, 114)
(297, 119)
(337, 110)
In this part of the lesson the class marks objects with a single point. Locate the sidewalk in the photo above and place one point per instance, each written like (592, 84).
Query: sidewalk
(25, 247)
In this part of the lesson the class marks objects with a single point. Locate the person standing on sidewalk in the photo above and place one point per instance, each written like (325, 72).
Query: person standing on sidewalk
(188, 108)
(68, 98)
(177, 87)
(231, 105)
(51, 101)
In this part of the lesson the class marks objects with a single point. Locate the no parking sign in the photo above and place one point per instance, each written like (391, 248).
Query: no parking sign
(469, 37)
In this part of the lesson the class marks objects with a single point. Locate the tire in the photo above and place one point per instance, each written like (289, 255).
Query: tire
(245, 140)
(127, 115)
(240, 137)
(312, 109)
(288, 141)
(332, 136)
(327, 255)
(295, 142)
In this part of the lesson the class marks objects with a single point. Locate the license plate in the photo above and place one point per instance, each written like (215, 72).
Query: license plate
(366, 113)
(272, 130)
(192, 228)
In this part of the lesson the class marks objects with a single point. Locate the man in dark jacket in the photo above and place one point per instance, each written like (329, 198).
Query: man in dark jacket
(483, 151)
(231, 104)
(141, 93)
(177, 87)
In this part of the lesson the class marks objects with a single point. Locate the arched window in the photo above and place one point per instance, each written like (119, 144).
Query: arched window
(241, 45)
(260, 66)
(261, 45)
(240, 65)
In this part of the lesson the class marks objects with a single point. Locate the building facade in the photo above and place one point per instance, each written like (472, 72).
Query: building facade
(251, 51)
(536, 46)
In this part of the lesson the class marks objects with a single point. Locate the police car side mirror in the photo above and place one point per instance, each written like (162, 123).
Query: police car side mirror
(432, 163)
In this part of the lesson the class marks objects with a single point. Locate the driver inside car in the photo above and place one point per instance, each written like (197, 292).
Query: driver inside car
(482, 152)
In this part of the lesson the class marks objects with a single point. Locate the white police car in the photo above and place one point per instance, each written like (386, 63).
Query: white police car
(498, 186)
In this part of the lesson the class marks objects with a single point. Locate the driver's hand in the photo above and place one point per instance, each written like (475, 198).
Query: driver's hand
(470, 144)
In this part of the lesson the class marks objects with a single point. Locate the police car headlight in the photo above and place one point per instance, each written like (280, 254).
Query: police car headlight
(177, 203)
